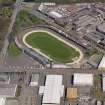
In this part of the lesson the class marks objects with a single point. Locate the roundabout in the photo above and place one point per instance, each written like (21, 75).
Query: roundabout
(51, 46)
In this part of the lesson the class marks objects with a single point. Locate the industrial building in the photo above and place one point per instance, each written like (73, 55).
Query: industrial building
(2, 101)
(53, 90)
(55, 14)
(71, 93)
(34, 80)
(4, 79)
(8, 90)
(102, 63)
(84, 21)
(103, 82)
(101, 28)
(83, 79)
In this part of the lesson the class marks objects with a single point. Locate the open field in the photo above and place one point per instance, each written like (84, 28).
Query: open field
(50, 46)
(66, 1)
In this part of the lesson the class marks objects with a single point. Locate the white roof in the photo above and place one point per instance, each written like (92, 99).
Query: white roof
(59, 66)
(41, 90)
(2, 101)
(83, 79)
(34, 80)
(103, 82)
(55, 14)
(53, 89)
(102, 63)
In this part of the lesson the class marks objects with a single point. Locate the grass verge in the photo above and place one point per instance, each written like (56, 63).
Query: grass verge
(13, 50)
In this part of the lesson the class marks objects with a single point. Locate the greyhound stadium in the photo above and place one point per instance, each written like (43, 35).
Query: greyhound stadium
(46, 46)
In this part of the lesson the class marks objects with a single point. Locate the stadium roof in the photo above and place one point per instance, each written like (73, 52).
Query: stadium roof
(102, 63)
(53, 89)
(55, 14)
(83, 79)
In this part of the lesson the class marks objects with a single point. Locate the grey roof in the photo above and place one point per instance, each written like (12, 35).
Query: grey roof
(8, 90)
(4, 79)
(94, 36)
(11, 102)
(103, 82)
(35, 78)
(101, 27)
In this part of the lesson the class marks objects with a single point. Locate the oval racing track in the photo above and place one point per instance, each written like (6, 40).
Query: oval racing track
(76, 61)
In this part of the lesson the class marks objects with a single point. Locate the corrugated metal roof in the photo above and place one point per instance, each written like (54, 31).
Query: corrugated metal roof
(103, 82)
(83, 79)
(102, 63)
(53, 89)
(55, 14)
(2, 101)
(72, 93)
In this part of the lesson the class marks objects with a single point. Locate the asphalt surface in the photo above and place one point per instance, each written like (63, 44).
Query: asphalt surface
(45, 71)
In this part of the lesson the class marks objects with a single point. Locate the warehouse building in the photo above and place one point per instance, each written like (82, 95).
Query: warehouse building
(8, 90)
(52, 91)
(84, 21)
(102, 63)
(2, 101)
(103, 82)
(71, 93)
(101, 28)
(83, 79)
(34, 80)
(55, 14)
(4, 78)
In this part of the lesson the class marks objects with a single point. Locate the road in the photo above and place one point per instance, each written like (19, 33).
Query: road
(45, 71)
(13, 17)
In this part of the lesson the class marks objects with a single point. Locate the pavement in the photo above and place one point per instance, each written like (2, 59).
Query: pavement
(22, 60)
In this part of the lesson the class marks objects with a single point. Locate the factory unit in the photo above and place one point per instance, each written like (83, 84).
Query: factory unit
(101, 28)
(84, 21)
(103, 82)
(102, 63)
(52, 91)
(34, 80)
(2, 101)
(71, 93)
(4, 78)
(82, 79)
(7, 91)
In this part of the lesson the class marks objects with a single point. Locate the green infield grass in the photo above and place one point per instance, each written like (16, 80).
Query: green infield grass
(52, 47)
